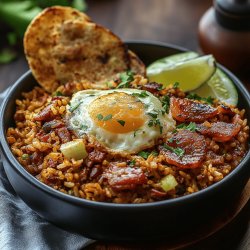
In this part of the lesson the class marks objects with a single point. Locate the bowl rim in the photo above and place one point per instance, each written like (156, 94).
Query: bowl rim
(106, 205)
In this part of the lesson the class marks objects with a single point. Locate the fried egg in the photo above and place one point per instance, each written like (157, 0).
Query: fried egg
(122, 120)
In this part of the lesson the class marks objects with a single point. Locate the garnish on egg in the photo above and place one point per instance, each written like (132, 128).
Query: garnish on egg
(122, 120)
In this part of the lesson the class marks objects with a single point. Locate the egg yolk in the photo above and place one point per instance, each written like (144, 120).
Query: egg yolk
(117, 112)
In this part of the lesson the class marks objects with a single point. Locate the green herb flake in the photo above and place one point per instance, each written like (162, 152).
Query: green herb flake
(165, 101)
(108, 117)
(73, 108)
(144, 154)
(84, 127)
(132, 163)
(191, 126)
(121, 122)
(135, 132)
(150, 123)
(154, 153)
(171, 140)
(176, 85)
(153, 115)
(99, 117)
(126, 78)
(178, 151)
(194, 96)
(143, 94)
(57, 93)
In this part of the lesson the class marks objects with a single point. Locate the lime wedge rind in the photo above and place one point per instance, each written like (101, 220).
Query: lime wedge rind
(223, 88)
(219, 85)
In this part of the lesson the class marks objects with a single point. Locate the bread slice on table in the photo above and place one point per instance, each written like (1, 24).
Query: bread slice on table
(63, 45)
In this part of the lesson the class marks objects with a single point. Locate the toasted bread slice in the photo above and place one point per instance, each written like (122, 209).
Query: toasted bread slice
(136, 65)
(62, 44)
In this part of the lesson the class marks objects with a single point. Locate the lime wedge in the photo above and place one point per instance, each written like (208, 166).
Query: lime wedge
(221, 87)
(189, 73)
(169, 61)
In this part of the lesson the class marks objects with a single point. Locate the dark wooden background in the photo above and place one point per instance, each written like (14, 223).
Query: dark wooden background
(171, 21)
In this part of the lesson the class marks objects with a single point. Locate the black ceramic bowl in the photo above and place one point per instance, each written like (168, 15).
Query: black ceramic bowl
(163, 219)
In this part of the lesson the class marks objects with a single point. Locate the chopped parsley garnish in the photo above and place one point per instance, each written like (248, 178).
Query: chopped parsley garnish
(171, 139)
(176, 85)
(191, 126)
(145, 154)
(165, 101)
(73, 108)
(178, 151)
(107, 117)
(135, 132)
(143, 94)
(58, 93)
(194, 96)
(99, 117)
(121, 122)
(126, 78)
(132, 163)
(84, 127)
(153, 115)
(155, 122)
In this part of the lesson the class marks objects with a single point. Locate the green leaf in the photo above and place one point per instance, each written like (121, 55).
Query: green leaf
(165, 101)
(18, 14)
(191, 126)
(176, 85)
(194, 96)
(99, 117)
(144, 154)
(12, 38)
(7, 55)
(126, 78)
(75, 107)
(121, 122)
(132, 163)
(57, 93)
(178, 151)
(108, 117)
(143, 94)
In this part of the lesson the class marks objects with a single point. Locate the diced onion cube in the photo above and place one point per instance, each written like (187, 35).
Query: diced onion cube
(168, 183)
(74, 149)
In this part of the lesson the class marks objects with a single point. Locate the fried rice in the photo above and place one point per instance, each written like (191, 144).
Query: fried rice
(38, 150)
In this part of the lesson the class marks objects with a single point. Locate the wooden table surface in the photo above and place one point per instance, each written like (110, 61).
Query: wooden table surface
(171, 21)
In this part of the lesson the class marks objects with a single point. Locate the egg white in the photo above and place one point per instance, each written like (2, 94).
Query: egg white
(80, 121)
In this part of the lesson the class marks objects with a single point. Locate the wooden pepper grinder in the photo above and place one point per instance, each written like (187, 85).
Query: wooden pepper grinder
(224, 31)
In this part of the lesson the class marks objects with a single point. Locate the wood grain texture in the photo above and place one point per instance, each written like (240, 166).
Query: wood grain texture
(170, 21)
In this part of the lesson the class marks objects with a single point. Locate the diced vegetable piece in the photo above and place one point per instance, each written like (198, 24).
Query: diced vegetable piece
(168, 182)
(74, 149)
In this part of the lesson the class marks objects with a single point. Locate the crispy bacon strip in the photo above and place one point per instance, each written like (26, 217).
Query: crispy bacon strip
(219, 131)
(184, 110)
(152, 87)
(193, 145)
(124, 178)
(63, 134)
(46, 114)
